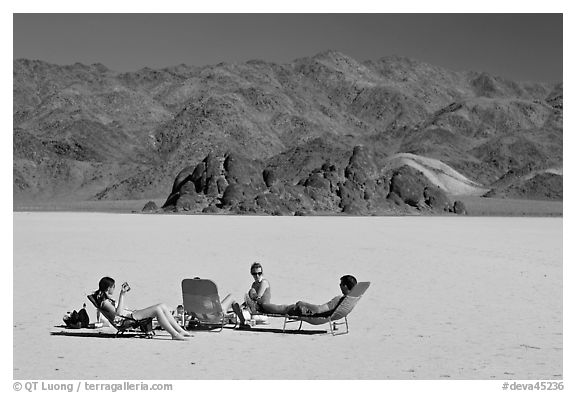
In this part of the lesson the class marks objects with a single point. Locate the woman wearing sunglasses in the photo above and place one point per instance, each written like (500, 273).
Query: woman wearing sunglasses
(260, 290)
(258, 294)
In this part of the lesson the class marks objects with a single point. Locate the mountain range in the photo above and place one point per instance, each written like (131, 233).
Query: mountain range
(85, 132)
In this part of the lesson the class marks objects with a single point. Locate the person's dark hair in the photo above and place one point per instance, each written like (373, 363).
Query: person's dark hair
(100, 294)
(105, 283)
(348, 281)
(256, 265)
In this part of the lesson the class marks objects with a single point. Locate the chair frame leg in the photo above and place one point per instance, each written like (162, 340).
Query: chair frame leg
(287, 320)
(333, 325)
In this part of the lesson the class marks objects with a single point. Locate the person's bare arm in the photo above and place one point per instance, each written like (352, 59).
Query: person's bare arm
(120, 304)
(265, 285)
(319, 308)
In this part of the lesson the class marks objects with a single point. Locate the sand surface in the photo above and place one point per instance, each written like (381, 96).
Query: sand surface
(451, 297)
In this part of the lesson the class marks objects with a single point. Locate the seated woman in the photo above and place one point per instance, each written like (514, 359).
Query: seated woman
(115, 310)
(301, 308)
(258, 294)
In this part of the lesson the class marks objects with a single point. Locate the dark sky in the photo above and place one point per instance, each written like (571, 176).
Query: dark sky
(515, 46)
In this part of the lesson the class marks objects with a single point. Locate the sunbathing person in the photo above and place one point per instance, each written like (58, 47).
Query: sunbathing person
(258, 294)
(307, 309)
(115, 310)
(260, 288)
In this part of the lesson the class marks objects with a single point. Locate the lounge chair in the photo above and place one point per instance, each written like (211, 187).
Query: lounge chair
(202, 303)
(126, 324)
(345, 307)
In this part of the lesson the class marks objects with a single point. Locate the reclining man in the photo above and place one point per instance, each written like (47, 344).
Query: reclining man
(301, 308)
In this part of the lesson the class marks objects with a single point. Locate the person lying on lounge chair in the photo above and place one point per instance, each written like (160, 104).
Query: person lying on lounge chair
(301, 308)
(114, 310)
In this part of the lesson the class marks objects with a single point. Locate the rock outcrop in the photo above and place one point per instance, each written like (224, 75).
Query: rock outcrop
(150, 207)
(411, 187)
(234, 184)
(459, 208)
(407, 184)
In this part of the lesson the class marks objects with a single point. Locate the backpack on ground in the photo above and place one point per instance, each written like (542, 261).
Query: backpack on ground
(77, 319)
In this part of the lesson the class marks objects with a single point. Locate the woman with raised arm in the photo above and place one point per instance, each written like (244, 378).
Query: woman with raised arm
(115, 310)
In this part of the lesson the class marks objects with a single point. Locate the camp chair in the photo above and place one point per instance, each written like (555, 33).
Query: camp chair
(345, 307)
(202, 303)
(126, 324)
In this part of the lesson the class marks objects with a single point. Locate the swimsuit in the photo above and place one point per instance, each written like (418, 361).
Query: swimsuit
(119, 317)
(267, 296)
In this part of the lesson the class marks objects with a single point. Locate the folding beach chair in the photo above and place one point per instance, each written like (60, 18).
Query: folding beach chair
(126, 324)
(202, 303)
(345, 307)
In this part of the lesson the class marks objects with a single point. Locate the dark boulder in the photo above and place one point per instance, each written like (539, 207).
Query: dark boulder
(394, 198)
(375, 194)
(277, 188)
(209, 179)
(408, 184)
(181, 177)
(355, 210)
(437, 199)
(211, 187)
(334, 179)
(186, 202)
(247, 206)
(351, 197)
(213, 173)
(212, 166)
(369, 189)
(316, 180)
(188, 188)
(361, 166)
(268, 201)
(329, 167)
(150, 206)
(171, 201)
(233, 195)
(211, 209)
(222, 184)
(318, 195)
(270, 177)
(199, 177)
(296, 198)
(459, 208)
(272, 204)
(241, 170)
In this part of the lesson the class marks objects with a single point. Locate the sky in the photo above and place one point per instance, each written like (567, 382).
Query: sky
(516, 46)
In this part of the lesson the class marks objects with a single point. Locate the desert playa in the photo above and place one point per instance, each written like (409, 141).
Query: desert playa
(451, 297)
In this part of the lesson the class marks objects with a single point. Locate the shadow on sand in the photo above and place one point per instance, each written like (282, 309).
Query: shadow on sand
(95, 333)
(274, 330)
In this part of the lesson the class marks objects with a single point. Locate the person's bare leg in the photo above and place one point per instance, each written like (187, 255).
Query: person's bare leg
(308, 308)
(172, 321)
(157, 312)
(269, 308)
(238, 311)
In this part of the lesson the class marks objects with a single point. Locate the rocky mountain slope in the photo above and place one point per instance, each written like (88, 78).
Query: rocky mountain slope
(87, 132)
